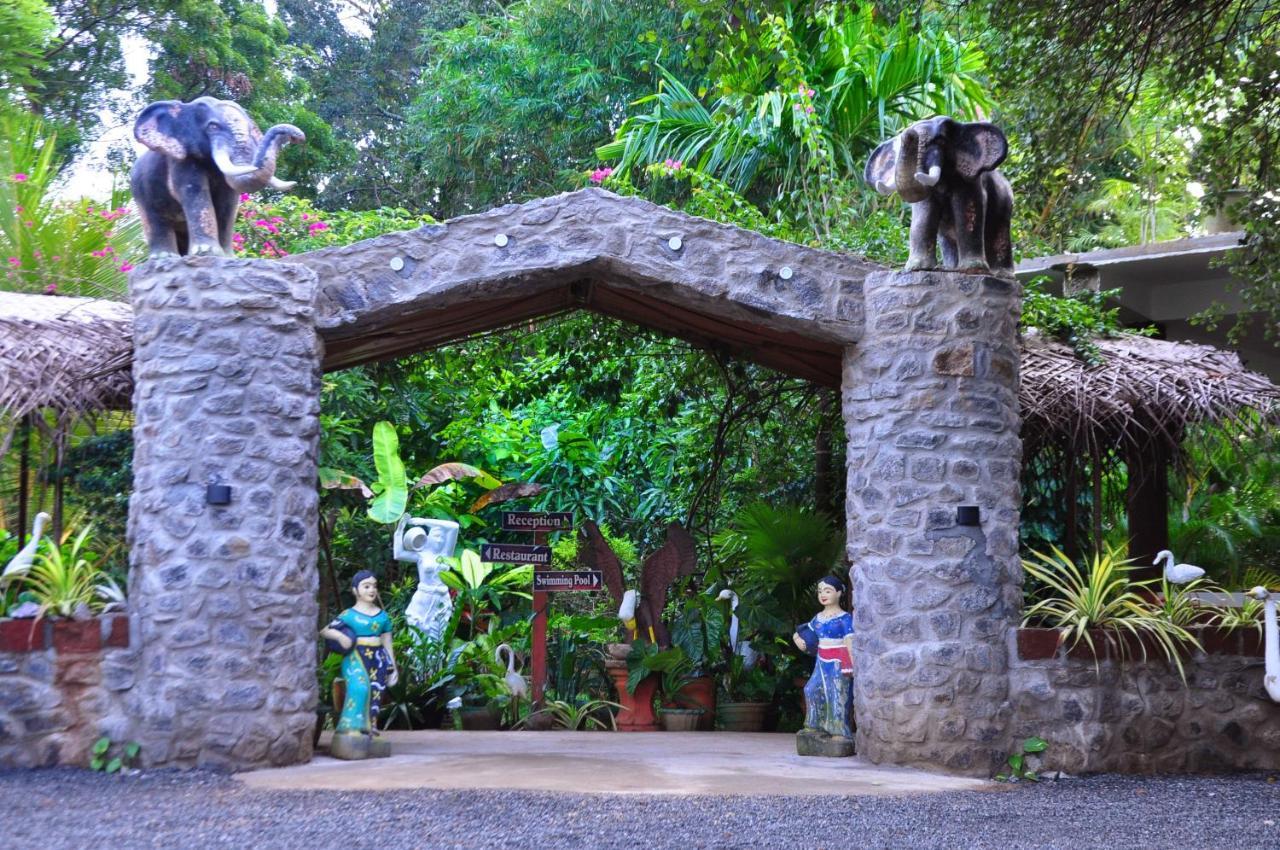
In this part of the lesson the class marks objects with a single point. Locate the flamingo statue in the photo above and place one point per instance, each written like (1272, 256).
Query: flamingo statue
(1271, 678)
(515, 682)
(1176, 573)
(21, 563)
(744, 649)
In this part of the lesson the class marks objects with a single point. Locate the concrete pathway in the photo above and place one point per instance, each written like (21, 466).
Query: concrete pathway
(716, 763)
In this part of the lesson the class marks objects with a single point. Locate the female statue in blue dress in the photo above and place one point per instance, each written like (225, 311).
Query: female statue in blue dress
(362, 633)
(829, 692)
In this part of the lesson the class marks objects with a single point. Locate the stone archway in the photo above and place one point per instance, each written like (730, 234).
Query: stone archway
(228, 355)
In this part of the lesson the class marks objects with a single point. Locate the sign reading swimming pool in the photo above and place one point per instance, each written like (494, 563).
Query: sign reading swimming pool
(553, 581)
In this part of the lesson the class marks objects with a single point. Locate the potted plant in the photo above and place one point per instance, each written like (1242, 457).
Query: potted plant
(699, 630)
(678, 713)
(746, 697)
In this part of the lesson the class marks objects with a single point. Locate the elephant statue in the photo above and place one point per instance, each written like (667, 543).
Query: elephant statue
(203, 155)
(946, 170)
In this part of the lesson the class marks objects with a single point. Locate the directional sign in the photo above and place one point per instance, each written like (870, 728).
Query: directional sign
(559, 580)
(515, 553)
(536, 521)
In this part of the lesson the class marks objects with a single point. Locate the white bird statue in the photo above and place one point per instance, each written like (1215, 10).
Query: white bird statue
(627, 612)
(1271, 678)
(744, 649)
(515, 682)
(1176, 573)
(21, 563)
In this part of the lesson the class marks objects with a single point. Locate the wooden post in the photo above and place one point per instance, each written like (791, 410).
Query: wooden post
(1147, 502)
(538, 642)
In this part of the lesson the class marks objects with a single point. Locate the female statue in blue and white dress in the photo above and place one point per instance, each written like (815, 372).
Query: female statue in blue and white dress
(431, 606)
(362, 634)
(829, 636)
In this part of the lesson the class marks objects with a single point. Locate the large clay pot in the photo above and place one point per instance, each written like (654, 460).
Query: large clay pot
(636, 714)
(480, 718)
(700, 693)
(680, 719)
(743, 716)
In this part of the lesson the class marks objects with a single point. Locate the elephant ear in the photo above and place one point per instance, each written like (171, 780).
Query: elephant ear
(155, 128)
(879, 170)
(978, 147)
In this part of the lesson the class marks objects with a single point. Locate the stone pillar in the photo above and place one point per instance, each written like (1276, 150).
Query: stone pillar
(227, 387)
(931, 410)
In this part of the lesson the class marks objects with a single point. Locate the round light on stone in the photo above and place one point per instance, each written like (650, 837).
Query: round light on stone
(397, 263)
(674, 243)
(785, 273)
(500, 240)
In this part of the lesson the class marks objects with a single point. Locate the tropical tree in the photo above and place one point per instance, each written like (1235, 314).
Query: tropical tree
(800, 107)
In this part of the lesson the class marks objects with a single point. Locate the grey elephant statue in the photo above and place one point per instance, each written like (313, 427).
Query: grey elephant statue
(946, 170)
(203, 155)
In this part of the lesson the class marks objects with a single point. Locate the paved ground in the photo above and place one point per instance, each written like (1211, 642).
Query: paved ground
(53, 809)
(592, 762)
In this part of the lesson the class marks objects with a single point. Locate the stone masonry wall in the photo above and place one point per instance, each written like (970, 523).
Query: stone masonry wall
(227, 387)
(931, 412)
(61, 688)
(1139, 716)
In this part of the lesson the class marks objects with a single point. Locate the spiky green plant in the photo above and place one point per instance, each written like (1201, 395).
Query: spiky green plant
(577, 714)
(66, 582)
(1103, 599)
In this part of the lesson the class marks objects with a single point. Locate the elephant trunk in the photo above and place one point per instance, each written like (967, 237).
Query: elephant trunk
(909, 188)
(263, 169)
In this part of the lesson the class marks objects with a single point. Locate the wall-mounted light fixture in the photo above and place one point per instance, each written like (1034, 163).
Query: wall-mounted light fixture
(967, 515)
(218, 494)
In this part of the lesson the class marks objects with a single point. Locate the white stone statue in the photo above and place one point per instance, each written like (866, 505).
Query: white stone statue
(430, 608)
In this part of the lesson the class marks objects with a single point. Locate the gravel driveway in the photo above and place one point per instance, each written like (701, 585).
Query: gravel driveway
(75, 808)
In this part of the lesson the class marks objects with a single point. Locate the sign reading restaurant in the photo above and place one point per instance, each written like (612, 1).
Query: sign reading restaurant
(515, 553)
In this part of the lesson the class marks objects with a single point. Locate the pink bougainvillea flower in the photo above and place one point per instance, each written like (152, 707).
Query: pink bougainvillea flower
(317, 226)
(55, 258)
(808, 110)
(15, 262)
(601, 174)
(28, 224)
(51, 289)
(810, 92)
(306, 217)
(244, 196)
(19, 177)
(19, 208)
(126, 266)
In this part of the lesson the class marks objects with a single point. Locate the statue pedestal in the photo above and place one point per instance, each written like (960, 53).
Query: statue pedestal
(354, 746)
(636, 714)
(810, 743)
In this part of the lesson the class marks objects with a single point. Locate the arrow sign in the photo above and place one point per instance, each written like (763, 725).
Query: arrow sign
(515, 553)
(536, 521)
(552, 581)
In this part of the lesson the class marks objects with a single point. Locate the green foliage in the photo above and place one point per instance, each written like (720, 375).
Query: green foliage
(1077, 319)
(700, 630)
(391, 488)
(741, 683)
(101, 759)
(484, 588)
(291, 224)
(1017, 761)
(1102, 597)
(67, 580)
(579, 714)
(46, 245)
(25, 27)
(773, 557)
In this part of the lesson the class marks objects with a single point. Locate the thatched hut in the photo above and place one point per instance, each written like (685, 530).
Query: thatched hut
(52, 352)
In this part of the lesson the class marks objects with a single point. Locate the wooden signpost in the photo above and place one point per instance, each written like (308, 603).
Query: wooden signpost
(545, 581)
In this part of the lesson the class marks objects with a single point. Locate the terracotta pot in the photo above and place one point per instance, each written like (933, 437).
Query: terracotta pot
(700, 693)
(680, 719)
(480, 718)
(636, 714)
(743, 716)
(338, 693)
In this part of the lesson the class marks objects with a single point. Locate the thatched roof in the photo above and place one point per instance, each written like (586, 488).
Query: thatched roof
(73, 355)
(51, 344)
(1145, 389)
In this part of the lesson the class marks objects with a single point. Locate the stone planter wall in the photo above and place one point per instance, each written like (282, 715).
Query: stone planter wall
(1134, 716)
(62, 684)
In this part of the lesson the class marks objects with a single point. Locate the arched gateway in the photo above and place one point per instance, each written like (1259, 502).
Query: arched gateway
(228, 357)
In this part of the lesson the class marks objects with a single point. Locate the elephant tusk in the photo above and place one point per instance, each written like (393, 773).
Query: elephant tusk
(222, 159)
(931, 178)
(281, 185)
